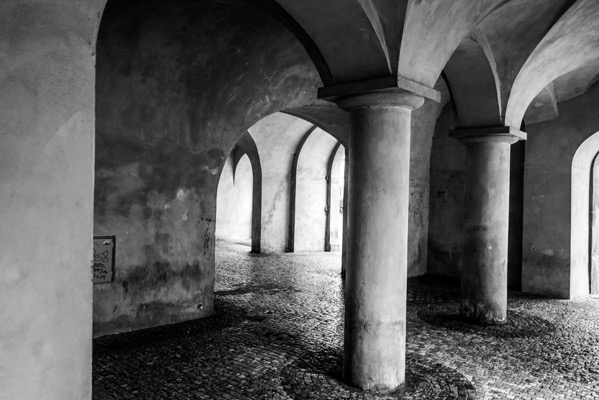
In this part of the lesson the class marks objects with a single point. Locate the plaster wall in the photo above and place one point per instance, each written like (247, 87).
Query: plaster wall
(168, 112)
(550, 150)
(337, 189)
(161, 208)
(446, 199)
(447, 211)
(423, 125)
(234, 202)
(311, 191)
(46, 197)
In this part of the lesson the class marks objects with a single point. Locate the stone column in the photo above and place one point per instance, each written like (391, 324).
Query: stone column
(46, 203)
(486, 221)
(377, 238)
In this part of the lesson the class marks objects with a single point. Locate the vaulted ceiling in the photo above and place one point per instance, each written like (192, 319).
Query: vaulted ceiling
(498, 55)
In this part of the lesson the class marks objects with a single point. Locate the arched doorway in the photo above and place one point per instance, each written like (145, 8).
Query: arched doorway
(239, 196)
(311, 194)
(295, 149)
(234, 201)
(584, 236)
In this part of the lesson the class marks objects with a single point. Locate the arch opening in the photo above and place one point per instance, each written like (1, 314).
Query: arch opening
(297, 159)
(234, 200)
(313, 187)
(584, 256)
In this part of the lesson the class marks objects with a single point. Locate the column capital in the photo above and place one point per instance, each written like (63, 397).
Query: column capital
(394, 91)
(383, 98)
(497, 134)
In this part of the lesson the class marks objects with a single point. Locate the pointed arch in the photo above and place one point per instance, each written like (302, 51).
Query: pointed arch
(310, 187)
(331, 119)
(247, 146)
(293, 191)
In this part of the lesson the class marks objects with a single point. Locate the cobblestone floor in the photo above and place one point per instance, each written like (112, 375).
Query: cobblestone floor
(277, 334)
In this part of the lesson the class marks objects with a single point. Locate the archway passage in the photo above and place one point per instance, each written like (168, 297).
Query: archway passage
(295, 153)
(584, 233)
(311, 209)
(185, 108)
(234, 201)
(239, 196)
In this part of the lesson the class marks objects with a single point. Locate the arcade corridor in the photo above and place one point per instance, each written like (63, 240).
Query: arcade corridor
(417, 138)
(277, 334)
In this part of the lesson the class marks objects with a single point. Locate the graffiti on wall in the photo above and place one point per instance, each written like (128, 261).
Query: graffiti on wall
(103, 261)
(416, 197)
(208, 237)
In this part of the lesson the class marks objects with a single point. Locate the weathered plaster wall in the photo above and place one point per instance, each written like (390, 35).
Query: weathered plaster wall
(234, 202)
(446, 207)
(161, 208)
(46, 196)
(550, 150)
(172, 100)
(337, 189)
(424, 121)
(446, 199)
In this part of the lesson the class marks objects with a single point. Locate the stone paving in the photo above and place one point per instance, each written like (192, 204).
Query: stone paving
(277, 334)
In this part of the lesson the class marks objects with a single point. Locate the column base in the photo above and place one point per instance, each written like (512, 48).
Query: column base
(356, 377)
(482, 314)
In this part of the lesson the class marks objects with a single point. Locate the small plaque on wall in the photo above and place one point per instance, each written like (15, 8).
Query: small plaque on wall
(103, 262)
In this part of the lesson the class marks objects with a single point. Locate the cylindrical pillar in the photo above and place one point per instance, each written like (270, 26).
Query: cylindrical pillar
(377, 238)
(486, 222)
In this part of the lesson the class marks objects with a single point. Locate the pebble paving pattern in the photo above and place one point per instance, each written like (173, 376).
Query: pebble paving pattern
(277, 334)
(518, 324)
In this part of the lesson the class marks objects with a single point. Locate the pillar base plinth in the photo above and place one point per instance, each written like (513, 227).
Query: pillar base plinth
(480, 314)
(376, 389)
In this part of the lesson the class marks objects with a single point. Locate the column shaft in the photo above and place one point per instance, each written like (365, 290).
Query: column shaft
(376, 275)
(486, 221)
